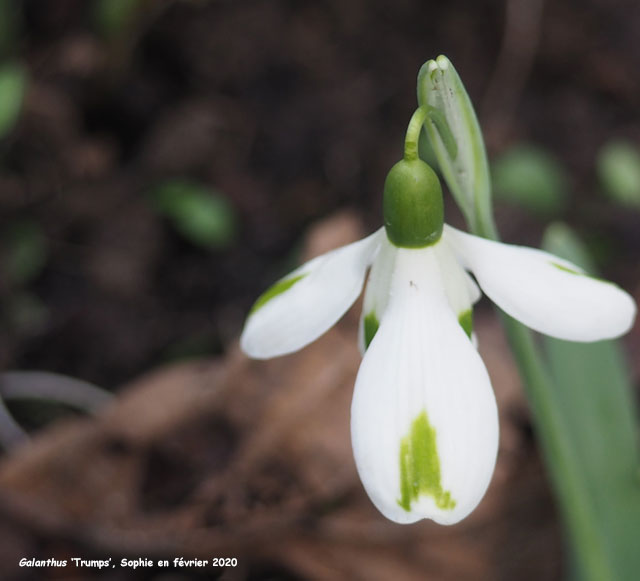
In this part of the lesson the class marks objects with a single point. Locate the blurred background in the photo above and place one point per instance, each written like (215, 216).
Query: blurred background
(162, 162)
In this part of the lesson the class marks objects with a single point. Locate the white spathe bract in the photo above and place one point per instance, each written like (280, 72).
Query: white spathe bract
(424, 422)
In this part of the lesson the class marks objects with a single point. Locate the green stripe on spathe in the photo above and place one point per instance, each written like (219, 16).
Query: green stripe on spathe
(273, 291)
(371, 325)
(465, 318)
(420, 466)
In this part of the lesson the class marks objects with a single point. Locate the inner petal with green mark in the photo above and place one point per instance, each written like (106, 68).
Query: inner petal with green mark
(466, 321)
(371, 325)
(273, 291)
(420, 466)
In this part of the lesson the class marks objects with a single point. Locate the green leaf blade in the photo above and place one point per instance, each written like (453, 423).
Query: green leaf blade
(594, 398)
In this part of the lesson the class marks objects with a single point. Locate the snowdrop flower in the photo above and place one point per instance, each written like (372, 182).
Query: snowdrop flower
(424, 422)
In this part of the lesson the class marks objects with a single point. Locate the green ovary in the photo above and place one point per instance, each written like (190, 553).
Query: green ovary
(275, 290)
(412, 205)
(420, 466)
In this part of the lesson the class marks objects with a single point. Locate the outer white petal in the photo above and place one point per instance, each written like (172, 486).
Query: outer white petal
(421, 361)
(546, 293)
(376, 295)
(323, 291)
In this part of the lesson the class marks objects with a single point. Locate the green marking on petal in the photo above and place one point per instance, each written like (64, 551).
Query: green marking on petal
(564, 268)
(273, 291)
(466, 321)
(420, 466)
(371, 325)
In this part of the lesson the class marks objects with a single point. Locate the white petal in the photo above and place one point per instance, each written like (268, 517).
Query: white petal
(421, 372)
(305, 304)
(376, 295)
(546, 293)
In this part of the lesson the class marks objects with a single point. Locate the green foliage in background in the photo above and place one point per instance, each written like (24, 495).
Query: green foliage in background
(12, 88)
(115, 17)
(594, 395)
(9, 26)
(532, 178)
(26, 252)
(618, 167)
(202, 216)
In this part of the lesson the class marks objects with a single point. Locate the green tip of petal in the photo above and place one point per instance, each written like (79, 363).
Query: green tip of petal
(371, 325)
(420, 466)
(273, 291)
(466, 321)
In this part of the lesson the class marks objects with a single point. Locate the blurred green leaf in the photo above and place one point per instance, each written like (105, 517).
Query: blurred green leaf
(9, 25)
(12, 88)
(594, 396)
(532, 178)
(561, 240)
(26, 252)
(200, 215)
(619, 172)
(113, 17)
